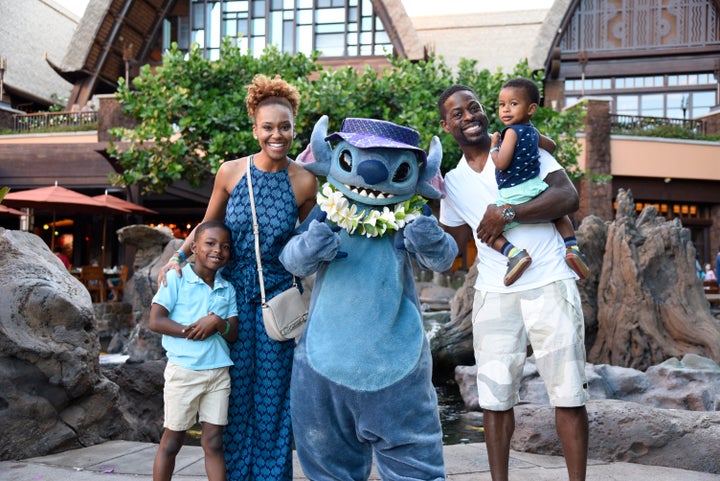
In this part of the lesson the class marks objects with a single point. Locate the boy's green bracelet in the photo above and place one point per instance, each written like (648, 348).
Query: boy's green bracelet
(227, 327)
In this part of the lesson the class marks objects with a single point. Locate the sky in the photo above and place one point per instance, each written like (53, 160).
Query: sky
(414, 8)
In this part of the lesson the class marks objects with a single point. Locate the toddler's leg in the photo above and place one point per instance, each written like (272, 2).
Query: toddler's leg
(518, 259)
(573, 257)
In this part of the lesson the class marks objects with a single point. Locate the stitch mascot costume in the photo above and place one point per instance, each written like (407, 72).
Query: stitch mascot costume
(361, 379)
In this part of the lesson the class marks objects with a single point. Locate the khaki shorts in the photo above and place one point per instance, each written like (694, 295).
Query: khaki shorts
(550, 319)
(195, 395)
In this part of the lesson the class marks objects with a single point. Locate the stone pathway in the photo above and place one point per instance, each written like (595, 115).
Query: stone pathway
(132, 461)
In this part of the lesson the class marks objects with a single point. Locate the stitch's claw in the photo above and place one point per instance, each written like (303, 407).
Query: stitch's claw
(322, 217)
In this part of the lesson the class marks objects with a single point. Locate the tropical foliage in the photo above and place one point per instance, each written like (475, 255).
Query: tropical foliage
(191, 113)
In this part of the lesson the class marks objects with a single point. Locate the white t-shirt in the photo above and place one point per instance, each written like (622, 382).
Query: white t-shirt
(467, 195)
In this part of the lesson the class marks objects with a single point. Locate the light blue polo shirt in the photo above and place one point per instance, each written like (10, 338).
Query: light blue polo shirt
(187, 299)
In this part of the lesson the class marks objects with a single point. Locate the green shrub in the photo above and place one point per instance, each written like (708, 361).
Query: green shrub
(191, 111)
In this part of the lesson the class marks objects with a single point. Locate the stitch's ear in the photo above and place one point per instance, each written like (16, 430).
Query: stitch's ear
(321, 150)
(431, 172)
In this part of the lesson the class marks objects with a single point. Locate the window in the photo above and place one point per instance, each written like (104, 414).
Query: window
(336, 28)
(685, 96)
(701, 103)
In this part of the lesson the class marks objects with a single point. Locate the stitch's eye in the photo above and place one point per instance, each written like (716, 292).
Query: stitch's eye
(346, 161)
(402, 173)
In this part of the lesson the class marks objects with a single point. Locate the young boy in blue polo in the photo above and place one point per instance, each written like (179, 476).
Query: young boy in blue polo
(197, 316)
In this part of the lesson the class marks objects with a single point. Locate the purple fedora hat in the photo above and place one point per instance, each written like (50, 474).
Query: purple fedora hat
(372, 133)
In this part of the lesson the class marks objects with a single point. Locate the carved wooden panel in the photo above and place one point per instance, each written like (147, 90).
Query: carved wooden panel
(611, 25)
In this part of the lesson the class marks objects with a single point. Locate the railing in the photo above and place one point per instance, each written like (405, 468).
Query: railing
(53, 121)
(628, 124)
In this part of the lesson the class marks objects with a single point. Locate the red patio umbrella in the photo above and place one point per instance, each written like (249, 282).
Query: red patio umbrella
(5, 210)
(59, 199)
(112, 201)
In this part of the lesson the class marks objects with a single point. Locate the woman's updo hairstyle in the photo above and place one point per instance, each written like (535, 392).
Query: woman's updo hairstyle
(265, 89)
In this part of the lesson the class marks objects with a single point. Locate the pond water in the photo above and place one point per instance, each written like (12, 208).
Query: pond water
(455, 419)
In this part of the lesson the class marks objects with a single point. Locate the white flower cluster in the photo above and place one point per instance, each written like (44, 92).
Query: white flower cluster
(371, 222)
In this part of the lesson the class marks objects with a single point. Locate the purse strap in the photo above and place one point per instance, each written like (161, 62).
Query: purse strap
(256, 231)
(255, 228)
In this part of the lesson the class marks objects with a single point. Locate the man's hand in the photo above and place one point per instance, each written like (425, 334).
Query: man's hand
(491, 225)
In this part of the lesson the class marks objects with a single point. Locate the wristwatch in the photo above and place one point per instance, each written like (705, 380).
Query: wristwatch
(508, 213)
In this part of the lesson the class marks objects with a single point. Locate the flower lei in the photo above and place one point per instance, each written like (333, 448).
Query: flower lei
(371, 222)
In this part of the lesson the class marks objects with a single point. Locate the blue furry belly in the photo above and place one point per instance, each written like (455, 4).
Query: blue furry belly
(365, 332)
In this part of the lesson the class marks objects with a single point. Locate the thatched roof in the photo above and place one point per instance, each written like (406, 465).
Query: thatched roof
(27, 34)
(110, 32)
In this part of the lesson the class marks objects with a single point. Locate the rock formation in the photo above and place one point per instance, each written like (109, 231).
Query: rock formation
(141, 397)
(591, 235)
(148, 242)
(452, 344)
(651, 306)
(154, 247)
(692, 384)
(52, 394)
(629, 432)
(666, 416)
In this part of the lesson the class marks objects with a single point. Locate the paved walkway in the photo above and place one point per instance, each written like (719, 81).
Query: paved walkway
(132, 461)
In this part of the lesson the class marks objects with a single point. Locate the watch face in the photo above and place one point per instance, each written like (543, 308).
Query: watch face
(508, 214)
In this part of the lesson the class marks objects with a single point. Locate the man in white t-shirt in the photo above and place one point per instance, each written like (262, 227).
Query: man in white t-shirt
(542, 308)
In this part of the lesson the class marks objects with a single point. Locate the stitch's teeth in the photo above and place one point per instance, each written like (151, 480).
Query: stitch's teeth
(370, 195)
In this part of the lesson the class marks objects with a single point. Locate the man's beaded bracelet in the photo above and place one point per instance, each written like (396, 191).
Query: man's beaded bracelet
(494, 149)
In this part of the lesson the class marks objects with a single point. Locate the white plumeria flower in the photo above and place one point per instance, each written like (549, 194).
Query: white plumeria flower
(346, 218)
(389, 218)
(334, 204)
(372, 217)
(412, 216)
(371, 222)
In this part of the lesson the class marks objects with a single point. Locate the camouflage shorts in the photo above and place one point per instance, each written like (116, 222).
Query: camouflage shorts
(550, 319)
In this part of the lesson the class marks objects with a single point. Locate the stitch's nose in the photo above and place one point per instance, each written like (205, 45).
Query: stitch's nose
(373, 171)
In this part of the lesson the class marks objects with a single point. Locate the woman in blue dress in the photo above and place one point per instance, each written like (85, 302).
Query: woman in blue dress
(258, 438)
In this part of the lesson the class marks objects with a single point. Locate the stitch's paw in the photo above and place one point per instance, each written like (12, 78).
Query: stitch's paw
(422, 234)
(321, 241)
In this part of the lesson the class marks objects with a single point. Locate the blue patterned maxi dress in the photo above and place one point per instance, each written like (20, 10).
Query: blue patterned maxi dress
(258, 437)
